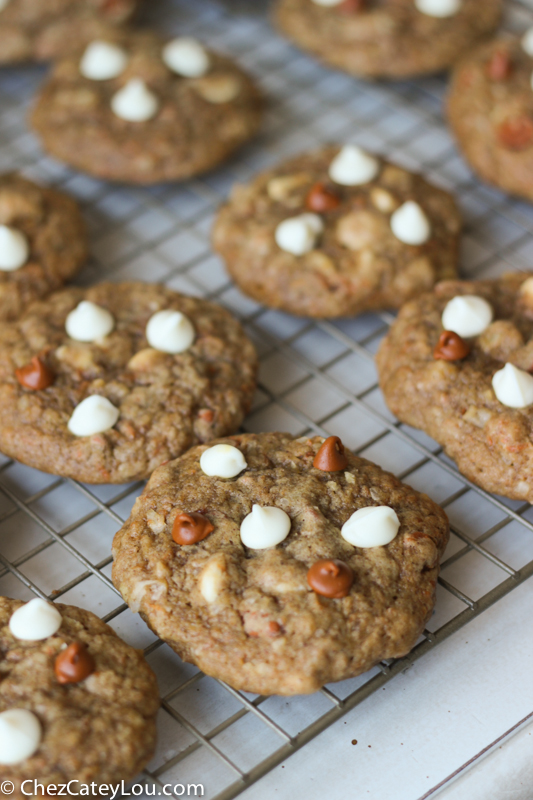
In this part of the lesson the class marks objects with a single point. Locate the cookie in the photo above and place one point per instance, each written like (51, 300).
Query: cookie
(457, 364)
(336, 232)
(391, 38)
(279, 564)
(68, 685)
(104, 384)
(40, 30)
(137, 109)
(490, 110)
(42, 242)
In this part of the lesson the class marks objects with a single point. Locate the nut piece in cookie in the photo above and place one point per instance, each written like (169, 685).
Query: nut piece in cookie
(388, 39)
(490, 110)
(105, 384)
(467, 347)
(66, 678)
(306, 576)
(336, 232)
(43, 242)
(135, 108)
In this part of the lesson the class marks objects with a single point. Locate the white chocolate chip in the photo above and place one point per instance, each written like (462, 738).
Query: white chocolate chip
(102, 61)
(135, 102)
(439, 8)
(20, 736)
(468, 315)
(186, 57)
(328, 2)
(265, 527)
(95, 414)
(513, 387)
(14, 249)
(410, 225)
(222, 461)
(3, 4)
(170, 331)
(353, 167)
(527, 41)
(298, 235)
(374, 526)
(35, 620)
(89, 322)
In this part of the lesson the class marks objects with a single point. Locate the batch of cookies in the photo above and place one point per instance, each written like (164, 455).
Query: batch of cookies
(277, 564)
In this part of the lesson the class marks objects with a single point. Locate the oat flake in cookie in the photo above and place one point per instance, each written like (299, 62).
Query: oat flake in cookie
(43, 242)
(388, 38)
(490, 109)
(42, 30)
(469, 387)
(336, 232)
(69, 684)
(298, 605)
(104, 384)
(135, 108)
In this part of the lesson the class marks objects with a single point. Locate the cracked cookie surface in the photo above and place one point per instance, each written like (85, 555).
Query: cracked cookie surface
(263, 629)
(490, 110)
(100, 729)
(358, 264)
(43, 30)
(166, 402)
(455, 402)
(198, 123)
(386, 38)
(53, 226)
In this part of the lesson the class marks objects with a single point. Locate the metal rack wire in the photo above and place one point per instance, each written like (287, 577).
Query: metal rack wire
(55, 534)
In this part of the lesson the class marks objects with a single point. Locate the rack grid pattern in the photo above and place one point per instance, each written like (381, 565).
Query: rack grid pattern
(316, 377)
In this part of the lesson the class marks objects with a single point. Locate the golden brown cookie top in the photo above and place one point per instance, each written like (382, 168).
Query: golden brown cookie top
(337, 231)
(42, 31)
(388, 38)
(138, 108)
(252, 603)
(490, 109)
(43, 242)
(476, 396)
(138, 373)
(112, 693)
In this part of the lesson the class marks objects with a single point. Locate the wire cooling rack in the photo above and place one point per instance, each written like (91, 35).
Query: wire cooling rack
(316, 377)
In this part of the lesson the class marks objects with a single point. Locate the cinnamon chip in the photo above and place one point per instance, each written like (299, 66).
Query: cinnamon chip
(321, 199)
(500, 66)
(331, 456)
(351, 6)
(451, 347)
(191, 528)
(331, 578)
(274, 628)
(516, 133)
(74, 664)
(35, 375)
